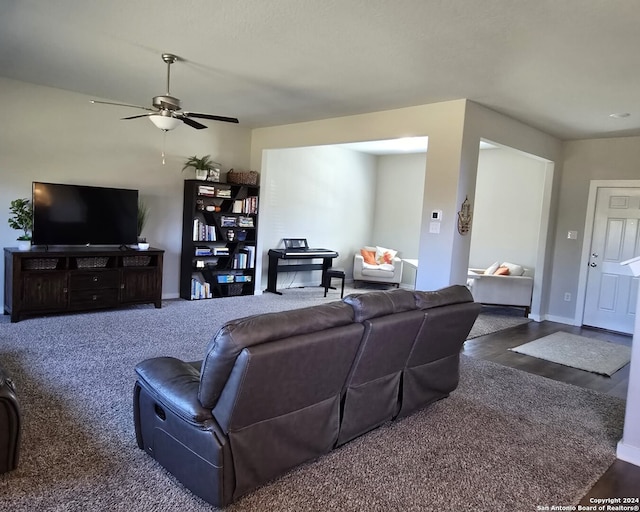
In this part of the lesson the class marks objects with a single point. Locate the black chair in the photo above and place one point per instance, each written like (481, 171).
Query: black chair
(331, 273)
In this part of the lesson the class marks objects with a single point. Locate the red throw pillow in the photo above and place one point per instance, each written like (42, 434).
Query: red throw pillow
(369, 256)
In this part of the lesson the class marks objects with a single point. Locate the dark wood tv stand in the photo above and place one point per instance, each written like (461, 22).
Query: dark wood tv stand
(40, 281)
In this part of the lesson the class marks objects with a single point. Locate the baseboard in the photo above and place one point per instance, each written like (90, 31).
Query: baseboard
(628, 453)
(560, 319)
(167, 296)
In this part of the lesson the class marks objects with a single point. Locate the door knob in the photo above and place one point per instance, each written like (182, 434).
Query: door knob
(592, 264)
(595, 254)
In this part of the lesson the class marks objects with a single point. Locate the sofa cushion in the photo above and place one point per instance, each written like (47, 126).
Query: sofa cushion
(454, 294)
(492, 268)
(384, 255)
(383, 270)
(501, 271)
(374, 304)
(514, 270)
(232, 337)
(369, 257)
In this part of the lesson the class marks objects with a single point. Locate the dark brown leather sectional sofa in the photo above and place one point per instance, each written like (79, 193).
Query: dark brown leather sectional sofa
(279, 389)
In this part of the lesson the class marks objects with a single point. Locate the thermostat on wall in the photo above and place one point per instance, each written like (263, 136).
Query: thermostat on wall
(436, 215)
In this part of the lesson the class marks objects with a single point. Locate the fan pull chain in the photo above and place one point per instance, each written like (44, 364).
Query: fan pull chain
(164, 142)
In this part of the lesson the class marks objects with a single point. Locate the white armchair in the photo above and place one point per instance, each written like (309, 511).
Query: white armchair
(384, 273)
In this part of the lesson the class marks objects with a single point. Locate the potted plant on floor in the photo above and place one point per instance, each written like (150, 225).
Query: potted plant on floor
(201, 165)
(143, 212)
(22, 219)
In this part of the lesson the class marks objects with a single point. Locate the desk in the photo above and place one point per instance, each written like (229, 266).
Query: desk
(275, 255)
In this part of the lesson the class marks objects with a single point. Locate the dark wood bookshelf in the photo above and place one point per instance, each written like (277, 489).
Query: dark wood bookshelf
(219, 228)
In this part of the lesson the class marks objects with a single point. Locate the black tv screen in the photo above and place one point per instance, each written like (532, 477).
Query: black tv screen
(83, 215)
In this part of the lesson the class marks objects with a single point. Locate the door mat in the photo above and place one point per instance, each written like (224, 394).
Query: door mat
(589, 354)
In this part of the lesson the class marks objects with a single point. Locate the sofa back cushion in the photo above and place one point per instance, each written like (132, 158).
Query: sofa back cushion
(236, 335)
(375, 304)
(432, 369)
(371, 395)
(280, 406)
(454, 294)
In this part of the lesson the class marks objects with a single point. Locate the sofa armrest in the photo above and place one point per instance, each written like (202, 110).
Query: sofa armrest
(397, 269)
(175, 384)
(358, 263)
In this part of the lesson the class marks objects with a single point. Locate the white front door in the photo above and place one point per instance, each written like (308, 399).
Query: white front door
(611, 290)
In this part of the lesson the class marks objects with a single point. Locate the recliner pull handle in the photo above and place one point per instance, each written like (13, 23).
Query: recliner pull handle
(160, 412)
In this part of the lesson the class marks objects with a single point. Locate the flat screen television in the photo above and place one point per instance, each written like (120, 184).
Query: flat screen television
(83, 215)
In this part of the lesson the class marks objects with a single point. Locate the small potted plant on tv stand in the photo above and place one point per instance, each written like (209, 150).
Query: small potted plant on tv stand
(143, 212)
(22, 219)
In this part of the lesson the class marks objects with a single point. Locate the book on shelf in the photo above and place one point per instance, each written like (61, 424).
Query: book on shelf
(204, 190)
(228, 221)
(240, 260)
(238, 206)
(245, 222)
(203, 251)
(221, 251)
(200, 288)
(251, 255)
(203, 232)
(223, 193)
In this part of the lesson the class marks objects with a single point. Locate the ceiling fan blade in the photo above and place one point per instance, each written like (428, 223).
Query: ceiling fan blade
(136, 117)
(122, 105)
(192, 123)
(212, 117)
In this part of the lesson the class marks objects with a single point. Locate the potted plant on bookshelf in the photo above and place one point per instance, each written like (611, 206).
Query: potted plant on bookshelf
(201, 165)
(143, 212)
(22, 219)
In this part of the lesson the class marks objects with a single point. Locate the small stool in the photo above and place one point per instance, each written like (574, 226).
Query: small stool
(330, 274)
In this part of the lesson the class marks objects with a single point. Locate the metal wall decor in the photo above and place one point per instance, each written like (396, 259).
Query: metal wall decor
(464, 217)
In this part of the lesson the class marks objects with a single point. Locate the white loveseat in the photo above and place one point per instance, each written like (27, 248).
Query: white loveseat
(385, 273)
(501, 290)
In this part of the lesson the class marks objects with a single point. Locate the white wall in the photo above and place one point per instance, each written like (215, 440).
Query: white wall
(325, 194)
(398, 203)
(59, 136)
(508, 208)
(398, 206)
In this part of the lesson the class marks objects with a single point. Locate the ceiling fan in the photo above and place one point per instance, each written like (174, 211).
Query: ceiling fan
(167, 113)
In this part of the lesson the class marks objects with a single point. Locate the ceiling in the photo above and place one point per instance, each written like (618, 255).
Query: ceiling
(560, 66)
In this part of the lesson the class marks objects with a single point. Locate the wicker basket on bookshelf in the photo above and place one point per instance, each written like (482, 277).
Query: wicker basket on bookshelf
(40, 263)
(93, 262)
(235, 289)
(136, 261)
(242, 178)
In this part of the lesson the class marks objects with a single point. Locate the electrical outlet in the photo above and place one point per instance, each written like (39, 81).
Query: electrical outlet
(567, 297)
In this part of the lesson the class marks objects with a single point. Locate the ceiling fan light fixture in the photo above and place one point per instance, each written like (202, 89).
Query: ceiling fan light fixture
(165, 123)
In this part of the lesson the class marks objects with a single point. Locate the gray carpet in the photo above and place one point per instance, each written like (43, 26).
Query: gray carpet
(505, 439)
(589, 354)
(496, 318)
